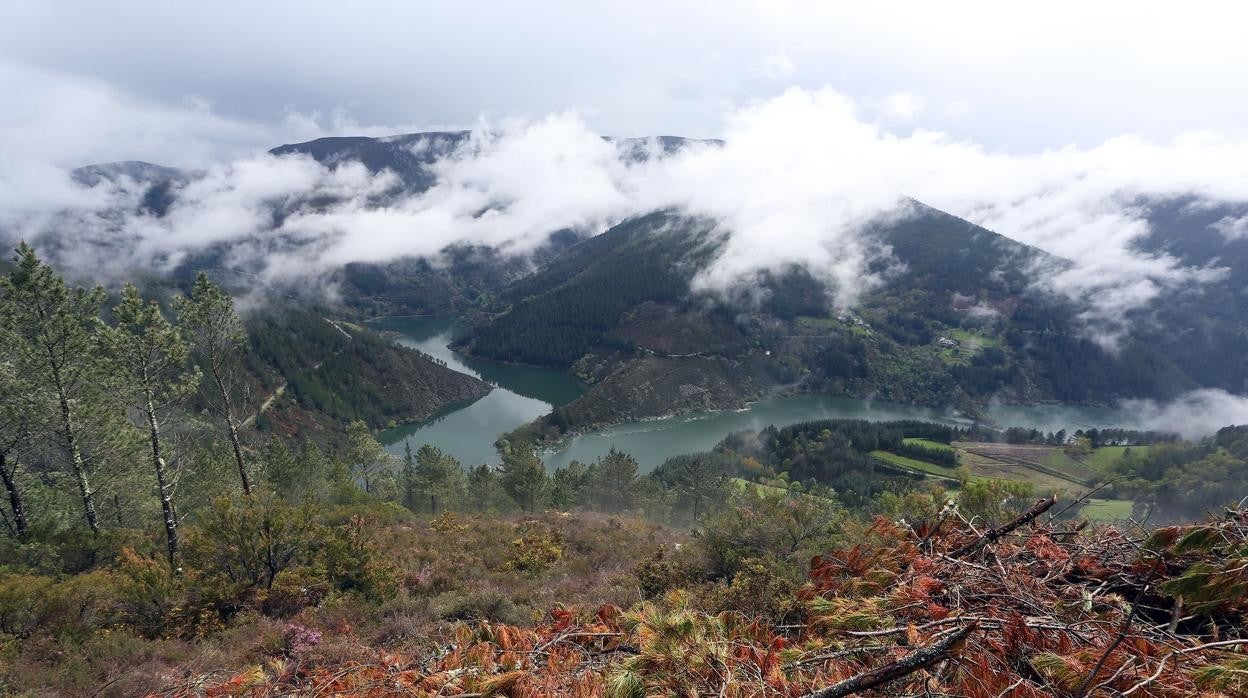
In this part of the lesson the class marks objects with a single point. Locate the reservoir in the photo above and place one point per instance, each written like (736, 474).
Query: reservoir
(524, 393)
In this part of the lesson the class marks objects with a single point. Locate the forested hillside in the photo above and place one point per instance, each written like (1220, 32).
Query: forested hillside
(958, 321)
(335, 372)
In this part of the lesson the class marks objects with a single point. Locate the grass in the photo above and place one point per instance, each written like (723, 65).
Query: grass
(761, 488)
(988, 467)
(969, 344)
(1064, 464)
(741, 484)
(1106, 457)
(916, 465)
(1107, 509)
(821, 322)
(975, 340)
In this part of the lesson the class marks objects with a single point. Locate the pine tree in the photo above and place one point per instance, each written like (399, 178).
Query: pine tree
(411, 487)
(524, 477)
(218, 340)
(368, 460)
(614, 480)
(16, 409)
(56, 348)
(568, 486)
(698, 483)
(152, 373)
(438, 476)
(486, 489)
(281, 469)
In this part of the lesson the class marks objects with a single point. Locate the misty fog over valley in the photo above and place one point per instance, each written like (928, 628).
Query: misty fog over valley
(750, 349)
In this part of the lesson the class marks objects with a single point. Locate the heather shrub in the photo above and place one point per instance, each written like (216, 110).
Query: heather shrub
(660, 573)
(535, 552)
(68, 609)
(755, 591)
(354, 563)
(480, 604)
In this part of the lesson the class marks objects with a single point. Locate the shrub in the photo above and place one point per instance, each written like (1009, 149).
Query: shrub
(353, 562)
(252, 540)
(299, 639)
(486, 604)
(299, 588)
(446, 522)
(659, 573)
(150, 593)
(66, 609)
(535, 552)
(755, 591)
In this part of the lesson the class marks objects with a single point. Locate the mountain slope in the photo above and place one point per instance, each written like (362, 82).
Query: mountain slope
(331, 373)
(410, 156)
(959, 320)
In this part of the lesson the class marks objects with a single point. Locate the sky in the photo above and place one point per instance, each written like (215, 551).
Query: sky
(1013, 77)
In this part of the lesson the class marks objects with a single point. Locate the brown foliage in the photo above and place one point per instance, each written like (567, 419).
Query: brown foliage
(1039, 609)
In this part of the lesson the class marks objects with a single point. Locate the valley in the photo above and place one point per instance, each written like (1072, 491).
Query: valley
(522, 394)
(570, 350)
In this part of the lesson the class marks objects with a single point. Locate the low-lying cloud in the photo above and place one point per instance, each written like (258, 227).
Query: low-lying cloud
(795, 182)
(1193, 415)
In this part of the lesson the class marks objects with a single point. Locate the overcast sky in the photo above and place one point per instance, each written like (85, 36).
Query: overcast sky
(248, 74)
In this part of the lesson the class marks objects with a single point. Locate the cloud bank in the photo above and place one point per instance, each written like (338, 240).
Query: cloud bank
(795, 181)
(1193, 415)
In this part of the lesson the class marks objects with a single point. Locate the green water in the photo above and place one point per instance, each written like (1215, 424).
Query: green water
(524, 393)
(467, 432)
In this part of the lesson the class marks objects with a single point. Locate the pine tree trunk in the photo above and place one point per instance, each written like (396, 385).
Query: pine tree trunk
(79, 467)
(162, 480)
(15, 498)
(233, 428)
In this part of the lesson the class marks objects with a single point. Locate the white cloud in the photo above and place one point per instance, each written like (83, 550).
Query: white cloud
(903, 106)
(1193, 415)
(778, 66)
(1232, 228)
(798, 178)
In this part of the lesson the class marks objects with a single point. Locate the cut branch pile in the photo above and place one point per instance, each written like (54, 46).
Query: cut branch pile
(1031, 608)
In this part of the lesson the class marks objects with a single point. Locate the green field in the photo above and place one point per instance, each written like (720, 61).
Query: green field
(819, 322)
(916, 465)
(1105, 457)
(974, 340)
(759, 488)
(1070, 467)
(969, 344)
(1107, 509)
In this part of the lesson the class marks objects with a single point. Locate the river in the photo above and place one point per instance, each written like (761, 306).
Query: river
(524, 393)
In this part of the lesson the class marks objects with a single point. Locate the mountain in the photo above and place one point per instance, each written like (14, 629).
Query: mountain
(317, 374)
(959, 321)
(1205, 328)
(410, 156)
(157, 183)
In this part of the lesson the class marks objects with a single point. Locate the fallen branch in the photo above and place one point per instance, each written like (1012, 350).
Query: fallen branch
(1122, 632)
(919, 659)
(992, 535)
